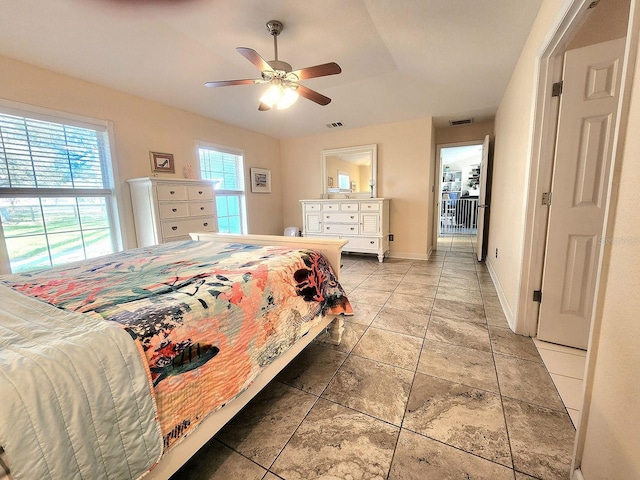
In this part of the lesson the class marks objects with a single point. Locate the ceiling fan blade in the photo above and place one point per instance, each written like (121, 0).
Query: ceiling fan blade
(263, 107)
(318, 71)
(313, 95)
(226, 83)
(255, 58)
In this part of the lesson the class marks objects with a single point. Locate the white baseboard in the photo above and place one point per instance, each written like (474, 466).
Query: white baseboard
(409, 256)
(501, 296)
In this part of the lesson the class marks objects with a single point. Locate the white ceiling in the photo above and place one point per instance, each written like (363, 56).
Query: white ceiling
(400, 59)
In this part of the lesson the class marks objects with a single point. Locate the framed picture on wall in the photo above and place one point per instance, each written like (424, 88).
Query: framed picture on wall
(260, 180)
(162, 162)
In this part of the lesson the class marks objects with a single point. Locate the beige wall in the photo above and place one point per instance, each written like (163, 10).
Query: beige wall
(612, 418)
(141, 126)
(512, 154)
(607, 21)
(404, 176)
(464, 133)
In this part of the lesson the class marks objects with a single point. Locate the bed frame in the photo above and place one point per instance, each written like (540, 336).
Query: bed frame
(179, 454)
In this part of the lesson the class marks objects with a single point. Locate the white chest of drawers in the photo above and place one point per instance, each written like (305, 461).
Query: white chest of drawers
(168, 210)
(363, 222)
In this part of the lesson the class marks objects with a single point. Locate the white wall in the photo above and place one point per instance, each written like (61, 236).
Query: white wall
(141, 126)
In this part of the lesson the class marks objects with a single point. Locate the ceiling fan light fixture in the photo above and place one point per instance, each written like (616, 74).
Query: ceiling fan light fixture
(280, 97)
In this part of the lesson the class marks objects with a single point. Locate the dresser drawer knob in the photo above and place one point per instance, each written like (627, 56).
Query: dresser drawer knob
(174, 228)
(172, 192)
(201, 208)
(200, 192)
(174, 209)
(372, 242)
(352, 216)
(328, 228)
(206, 224)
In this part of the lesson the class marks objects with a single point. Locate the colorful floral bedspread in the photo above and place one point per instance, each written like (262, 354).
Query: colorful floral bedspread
(209, 316)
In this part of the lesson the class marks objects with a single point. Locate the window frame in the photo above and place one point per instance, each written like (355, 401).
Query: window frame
(111, 194)
(241, 194)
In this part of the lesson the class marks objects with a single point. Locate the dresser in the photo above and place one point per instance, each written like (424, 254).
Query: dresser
(168, 210)
(363, 222)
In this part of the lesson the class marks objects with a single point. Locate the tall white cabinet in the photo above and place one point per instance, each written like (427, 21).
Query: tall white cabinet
(364, 223)
(167, 210)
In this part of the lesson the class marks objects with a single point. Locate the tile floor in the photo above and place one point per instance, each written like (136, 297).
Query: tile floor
(428, 383)
(566, 366)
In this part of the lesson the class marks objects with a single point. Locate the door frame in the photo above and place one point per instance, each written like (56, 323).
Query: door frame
(438, 183)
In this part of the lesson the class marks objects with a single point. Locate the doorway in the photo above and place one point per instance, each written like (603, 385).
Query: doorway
(458, 189)
(580, 280)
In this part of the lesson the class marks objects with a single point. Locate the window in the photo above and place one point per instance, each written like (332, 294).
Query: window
(344, 182)
(56, 190)
(225, 168)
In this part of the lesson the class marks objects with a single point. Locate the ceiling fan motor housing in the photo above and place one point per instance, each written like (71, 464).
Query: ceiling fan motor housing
(275, 27)
(280, 65)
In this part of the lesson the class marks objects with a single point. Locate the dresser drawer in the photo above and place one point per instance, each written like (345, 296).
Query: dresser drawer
(311, 207)
(340, 217)
(173, 210)
(182, 227)
(330, 207)
(369, 206)
(363, 243)
(349, 206)
(199, 192)
(340, 228)
(171, 192)
(201, 208)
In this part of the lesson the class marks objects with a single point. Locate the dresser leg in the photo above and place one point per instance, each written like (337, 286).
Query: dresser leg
(381, 257)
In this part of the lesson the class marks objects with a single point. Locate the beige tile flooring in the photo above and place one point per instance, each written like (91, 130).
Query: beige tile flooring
(428, 383)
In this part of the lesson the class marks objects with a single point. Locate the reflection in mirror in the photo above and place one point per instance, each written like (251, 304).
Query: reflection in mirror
(350, 171)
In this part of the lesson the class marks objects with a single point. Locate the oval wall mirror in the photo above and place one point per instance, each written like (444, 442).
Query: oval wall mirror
(350, 172)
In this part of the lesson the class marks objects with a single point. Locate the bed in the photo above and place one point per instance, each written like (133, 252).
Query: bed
(194, 330)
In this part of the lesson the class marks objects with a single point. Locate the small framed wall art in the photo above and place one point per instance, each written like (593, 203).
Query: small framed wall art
(162, 162)
(260, 180)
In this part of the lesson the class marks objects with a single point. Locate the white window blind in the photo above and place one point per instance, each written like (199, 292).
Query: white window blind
(226, 169)
(39, 154)
(56, 191)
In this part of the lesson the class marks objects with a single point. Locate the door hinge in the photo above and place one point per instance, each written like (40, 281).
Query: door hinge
(546, 198)
(556, 89)
(537, 296)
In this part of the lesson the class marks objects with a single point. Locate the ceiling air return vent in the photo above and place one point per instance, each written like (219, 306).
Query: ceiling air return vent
(465, 121)
(334, 125)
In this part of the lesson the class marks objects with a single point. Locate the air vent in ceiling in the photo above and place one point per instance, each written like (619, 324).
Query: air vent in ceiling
(334, 125)
(464, 121)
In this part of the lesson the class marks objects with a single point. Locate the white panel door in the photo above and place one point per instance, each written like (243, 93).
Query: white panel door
(482, 199)
(588, 107)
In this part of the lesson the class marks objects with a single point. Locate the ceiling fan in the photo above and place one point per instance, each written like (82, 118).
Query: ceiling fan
(284, 83)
